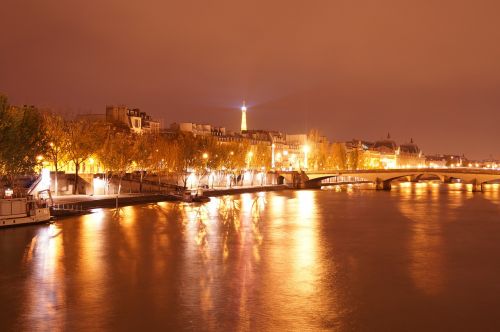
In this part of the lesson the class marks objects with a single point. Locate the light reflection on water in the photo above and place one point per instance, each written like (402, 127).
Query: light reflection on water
(422, 208)
(422, 256)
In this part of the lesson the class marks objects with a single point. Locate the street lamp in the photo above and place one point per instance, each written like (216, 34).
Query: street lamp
(205, 158)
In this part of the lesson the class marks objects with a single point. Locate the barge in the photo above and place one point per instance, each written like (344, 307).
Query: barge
(22, 211)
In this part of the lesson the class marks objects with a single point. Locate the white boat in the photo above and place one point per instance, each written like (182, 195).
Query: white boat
(190, 196)
(22, 211)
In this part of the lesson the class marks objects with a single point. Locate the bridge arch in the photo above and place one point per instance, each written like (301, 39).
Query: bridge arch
(383, 178)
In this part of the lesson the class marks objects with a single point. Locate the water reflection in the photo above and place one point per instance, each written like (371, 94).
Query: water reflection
(421, 204)
(45, 296)
(297, 260)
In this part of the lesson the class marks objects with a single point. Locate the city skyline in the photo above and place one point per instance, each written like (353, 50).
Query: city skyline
(229, 165)
(400, 140)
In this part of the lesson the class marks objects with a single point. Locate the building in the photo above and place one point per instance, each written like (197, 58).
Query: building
(285, 151)
(138, 122)
(445, 160)
(389, 152)
(198, 129)
(386, 153)
(410, 156)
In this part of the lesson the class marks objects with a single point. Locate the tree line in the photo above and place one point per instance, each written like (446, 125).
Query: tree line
(27, 134)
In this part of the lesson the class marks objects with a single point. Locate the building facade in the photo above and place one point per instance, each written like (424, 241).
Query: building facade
(138, 122)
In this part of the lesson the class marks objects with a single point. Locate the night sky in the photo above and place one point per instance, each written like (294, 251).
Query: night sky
(423, 69)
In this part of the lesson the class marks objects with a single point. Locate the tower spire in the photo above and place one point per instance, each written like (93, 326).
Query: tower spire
(243, 117)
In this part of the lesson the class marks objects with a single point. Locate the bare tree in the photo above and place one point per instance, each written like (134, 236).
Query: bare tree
(84, 137)
(116, 156)
(58, 144)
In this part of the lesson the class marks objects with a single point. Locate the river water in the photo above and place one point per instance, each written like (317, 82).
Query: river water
(423, 257)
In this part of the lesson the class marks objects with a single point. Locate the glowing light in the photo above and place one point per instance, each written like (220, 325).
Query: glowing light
(205, 155)
(45, 181)
(191, 180)
(99, 185)
(39, 158)
(306, 149)
(243, 117)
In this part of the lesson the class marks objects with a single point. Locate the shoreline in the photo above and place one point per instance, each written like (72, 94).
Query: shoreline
(83, 202)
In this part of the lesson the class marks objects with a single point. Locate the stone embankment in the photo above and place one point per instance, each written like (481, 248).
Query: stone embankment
(79, 204)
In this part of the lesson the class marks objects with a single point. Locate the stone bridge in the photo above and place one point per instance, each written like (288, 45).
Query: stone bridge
(382, 178)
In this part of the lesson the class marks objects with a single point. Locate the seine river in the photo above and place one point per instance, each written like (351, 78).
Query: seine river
(422, 257)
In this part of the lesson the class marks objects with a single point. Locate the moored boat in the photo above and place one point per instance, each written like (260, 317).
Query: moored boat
(191, 196)
(22, 211)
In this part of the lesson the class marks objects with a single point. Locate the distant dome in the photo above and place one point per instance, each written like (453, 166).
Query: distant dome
(411, 148)
(386, 144)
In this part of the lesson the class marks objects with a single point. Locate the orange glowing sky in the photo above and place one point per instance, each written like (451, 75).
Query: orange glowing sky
(423, 69)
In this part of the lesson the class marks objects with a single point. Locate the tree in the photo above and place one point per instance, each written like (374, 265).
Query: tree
(84, 138)
(164, 156)
(142, 150)
(189, 156)
(338, 156)
(261, 156)
(58, 143)
(22, 140)
(116, 155)
(233, 156)
(356, 159)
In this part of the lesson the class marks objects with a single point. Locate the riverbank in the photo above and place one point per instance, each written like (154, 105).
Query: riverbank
(243, 190)
(85, 202)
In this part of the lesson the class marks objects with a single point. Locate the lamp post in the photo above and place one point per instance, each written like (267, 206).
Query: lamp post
(231, 168)
(205, 158)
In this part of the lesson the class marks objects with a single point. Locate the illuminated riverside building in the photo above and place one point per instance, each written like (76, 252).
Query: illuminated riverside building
(386, 153)
(286, 152)
(410, 155)
(445, 160)
(389, 152)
